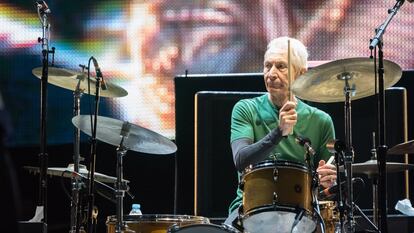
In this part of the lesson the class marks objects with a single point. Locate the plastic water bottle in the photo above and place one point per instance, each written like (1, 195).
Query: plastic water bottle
(135, 210)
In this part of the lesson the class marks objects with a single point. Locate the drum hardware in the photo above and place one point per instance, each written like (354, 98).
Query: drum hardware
(274, 199)
(275, 174)
(43, 12)
(375, 43)
(78, 82)
(341, 81)
(126, 136)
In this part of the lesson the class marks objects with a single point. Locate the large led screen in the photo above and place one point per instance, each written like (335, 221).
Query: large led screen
(142, 45)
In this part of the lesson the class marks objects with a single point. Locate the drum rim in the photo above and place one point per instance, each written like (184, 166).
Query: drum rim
(160, 218)
(278, 163)
(265, 208)
(225, 227)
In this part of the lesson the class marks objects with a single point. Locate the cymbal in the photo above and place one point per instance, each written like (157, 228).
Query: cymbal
(402, 148)
(69, 79)
(370, 167)
(325, 83)
(139, 139)
(69, 172)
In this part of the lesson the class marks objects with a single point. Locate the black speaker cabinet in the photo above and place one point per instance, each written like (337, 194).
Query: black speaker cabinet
(216, 177)
(186, 86)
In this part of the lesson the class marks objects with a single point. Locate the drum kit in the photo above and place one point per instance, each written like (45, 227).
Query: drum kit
(285, 195)
(279, 196)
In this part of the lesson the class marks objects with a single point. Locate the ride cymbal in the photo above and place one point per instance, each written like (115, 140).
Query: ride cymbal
(326, 83)
(69, 79)
(137, 138)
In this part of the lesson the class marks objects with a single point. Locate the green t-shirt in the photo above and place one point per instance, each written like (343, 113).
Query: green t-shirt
(255, 118)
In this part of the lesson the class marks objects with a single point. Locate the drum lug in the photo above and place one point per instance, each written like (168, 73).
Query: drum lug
(275, 174)
(274, 198)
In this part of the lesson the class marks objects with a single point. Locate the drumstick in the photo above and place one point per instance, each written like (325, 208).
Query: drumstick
(289, 72)
(330, 160)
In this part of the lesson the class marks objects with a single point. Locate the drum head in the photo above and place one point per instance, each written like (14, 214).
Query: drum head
(278, 221)
(203, 228)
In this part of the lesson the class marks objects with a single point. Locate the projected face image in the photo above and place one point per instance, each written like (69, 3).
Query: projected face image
(142, 45)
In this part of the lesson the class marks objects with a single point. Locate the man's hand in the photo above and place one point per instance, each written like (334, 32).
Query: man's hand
(287, 118)
(327, 174)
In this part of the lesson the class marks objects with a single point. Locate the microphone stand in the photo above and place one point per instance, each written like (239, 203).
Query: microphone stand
(382, 147)
(93, 157)
(43, 156)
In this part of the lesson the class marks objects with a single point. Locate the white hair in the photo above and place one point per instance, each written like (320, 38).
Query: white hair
(298, 51)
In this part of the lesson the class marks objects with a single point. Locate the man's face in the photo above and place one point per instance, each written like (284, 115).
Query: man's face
(275, 69)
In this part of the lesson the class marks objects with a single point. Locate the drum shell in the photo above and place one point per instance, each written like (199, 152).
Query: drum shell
(277, 183)
(156, 223)
(330, 215)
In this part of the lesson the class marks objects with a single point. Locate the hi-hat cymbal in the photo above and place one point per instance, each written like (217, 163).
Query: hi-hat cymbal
(138, 139)
(69, 172)
(370, 167)
(69, 79)
(325, 83)
(402, 148)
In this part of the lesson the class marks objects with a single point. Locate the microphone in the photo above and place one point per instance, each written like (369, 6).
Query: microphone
(333, 190)
(335, 146)
(43, 7)
(305, 142)
(99, 73)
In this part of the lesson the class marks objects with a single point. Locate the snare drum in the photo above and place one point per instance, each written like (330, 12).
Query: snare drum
(203, 228)
(156, 223)
(274, 194)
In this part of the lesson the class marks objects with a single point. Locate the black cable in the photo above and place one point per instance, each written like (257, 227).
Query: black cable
(65, 190)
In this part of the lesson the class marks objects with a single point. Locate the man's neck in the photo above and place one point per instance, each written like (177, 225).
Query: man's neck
(279, 102)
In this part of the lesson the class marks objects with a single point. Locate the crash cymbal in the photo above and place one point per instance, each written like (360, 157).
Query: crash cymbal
(69, 79)
(69, 172)
(402, 148)
(370, 167)
(325, 83)
(139, 139)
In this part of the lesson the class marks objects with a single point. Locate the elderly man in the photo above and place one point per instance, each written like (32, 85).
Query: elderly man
(267, 127)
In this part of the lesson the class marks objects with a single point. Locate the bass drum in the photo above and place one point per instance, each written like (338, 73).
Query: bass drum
(203, 228)
(154, 223)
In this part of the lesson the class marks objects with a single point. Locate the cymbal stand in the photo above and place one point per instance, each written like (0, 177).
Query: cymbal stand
(382, 147)
(120, 185)
(348, 155)
(373, 223)
(374, 184)
(340, 201)
(76, 211)
(43, 11)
